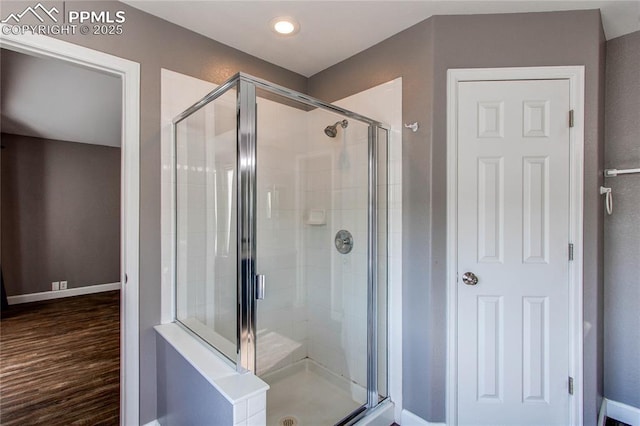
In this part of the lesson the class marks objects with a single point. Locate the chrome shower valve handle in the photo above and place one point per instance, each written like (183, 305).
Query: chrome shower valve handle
(344, 241)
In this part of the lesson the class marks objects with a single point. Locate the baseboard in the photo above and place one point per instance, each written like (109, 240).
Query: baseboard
(621, 412)
(410, 419)
(153, 423)
(59, 294)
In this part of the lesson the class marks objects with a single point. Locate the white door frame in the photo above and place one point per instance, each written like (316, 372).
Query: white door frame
(575, 75)
(129, 73)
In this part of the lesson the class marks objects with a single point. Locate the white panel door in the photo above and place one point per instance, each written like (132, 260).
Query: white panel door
(513, 235)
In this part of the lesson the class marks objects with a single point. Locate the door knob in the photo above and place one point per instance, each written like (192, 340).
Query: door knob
(469, 278)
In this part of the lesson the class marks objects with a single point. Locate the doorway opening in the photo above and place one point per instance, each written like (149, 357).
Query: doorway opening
(128, 73)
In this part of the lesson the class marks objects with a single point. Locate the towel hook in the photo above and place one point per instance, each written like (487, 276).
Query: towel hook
(413, 126)
(608, 199)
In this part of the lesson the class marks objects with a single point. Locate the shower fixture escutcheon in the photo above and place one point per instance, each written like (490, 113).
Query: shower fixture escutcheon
(344, 241)
(332, 131)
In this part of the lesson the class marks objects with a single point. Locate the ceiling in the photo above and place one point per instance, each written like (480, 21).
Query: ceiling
(332, 31)
(53, 99)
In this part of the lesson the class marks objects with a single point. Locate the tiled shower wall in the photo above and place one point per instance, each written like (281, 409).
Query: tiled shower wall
(335, 182)
(311, 186)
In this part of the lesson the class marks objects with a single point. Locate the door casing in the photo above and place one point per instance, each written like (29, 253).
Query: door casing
(129, 74)
(575, 76)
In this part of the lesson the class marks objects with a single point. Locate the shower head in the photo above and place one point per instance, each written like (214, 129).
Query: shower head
(332, 131)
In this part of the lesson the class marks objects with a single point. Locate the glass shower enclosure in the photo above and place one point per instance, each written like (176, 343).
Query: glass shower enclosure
(281, 245)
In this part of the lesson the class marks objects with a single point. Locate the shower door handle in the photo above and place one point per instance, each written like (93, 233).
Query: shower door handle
(260, 280)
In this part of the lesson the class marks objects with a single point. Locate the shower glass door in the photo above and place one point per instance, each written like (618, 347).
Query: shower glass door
(313, 236)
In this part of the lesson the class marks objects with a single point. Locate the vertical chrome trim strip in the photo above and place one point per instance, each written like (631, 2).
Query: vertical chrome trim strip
(174, 231)
(372, 272)
(385, 184)
(246, 202)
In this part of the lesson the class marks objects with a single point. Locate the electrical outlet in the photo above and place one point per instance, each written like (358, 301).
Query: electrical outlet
(55, 286)
(63, 285)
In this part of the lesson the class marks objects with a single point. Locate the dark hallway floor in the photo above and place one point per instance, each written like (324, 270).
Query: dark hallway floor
(60, 362)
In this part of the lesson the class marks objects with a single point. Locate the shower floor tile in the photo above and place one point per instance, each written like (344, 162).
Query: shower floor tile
(310, 398)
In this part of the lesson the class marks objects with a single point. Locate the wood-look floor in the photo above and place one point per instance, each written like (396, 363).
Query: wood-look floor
(60, 362)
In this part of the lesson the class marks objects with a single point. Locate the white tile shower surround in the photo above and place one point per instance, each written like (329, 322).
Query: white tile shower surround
(309, 312)
(334, 178)
(311, 394)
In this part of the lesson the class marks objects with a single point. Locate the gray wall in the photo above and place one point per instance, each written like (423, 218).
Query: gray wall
(60, 214)
(184, 396)
(535, 39)
(622, 229)
(156, 44)
(421, 55)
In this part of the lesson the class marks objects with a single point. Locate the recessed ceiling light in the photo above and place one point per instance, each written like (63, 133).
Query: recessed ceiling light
(284, 25)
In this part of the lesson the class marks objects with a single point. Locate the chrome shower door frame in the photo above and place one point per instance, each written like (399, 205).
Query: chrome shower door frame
(246, 185)
(372, 270)
(246, 190)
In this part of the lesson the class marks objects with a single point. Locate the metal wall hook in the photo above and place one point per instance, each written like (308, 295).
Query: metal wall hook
(413, 126)
(608, 199)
